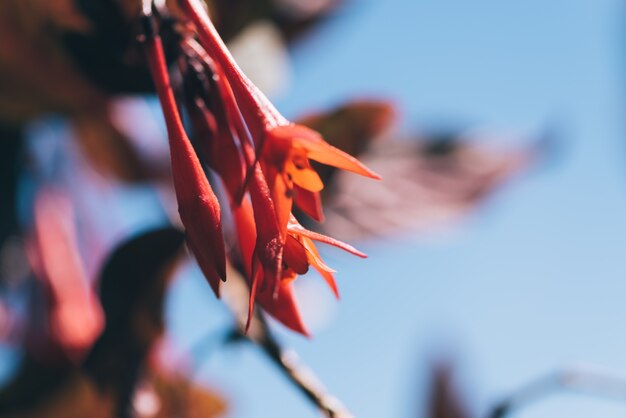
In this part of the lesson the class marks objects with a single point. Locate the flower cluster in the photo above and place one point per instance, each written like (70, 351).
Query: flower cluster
(263, 161)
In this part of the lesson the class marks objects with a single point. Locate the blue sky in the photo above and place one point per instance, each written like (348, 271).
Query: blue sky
(531, 282)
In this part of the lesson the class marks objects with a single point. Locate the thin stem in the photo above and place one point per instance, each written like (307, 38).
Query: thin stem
(300, 375)
(583, 380)
(287, 361)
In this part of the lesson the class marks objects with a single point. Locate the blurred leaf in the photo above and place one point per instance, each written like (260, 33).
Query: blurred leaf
(109, 54)
(132, 290)
(111, 152)
(167, 395)
(296, 17)
(46, 393)
(351, 127)
(42, 392)
(66, 56)
(133, 283)
(36, 75)
(426, 184)
(10, 158)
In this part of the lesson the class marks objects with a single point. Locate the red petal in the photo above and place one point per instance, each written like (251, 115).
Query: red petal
(246, 233)
(309, 203)
(295, 256)
(218, 147)
(283, 307)
(269, 243)
(206, 264)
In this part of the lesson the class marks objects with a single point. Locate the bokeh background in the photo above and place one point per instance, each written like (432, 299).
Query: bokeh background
(527, 282)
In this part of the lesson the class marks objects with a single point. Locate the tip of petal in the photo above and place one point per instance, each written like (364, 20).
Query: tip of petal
(256, 278)
(284, 308)
(221, 271)
(298, 229)
(374, 175)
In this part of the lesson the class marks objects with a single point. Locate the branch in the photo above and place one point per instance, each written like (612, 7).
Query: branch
(299, 374)
(260, 334)
(583, 380)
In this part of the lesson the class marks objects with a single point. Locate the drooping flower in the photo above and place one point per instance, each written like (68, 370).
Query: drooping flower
(286, 166)
(264, 162)
(198, 206)
(282, 148)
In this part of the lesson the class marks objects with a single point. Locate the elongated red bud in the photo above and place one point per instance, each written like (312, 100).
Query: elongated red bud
(197, 204)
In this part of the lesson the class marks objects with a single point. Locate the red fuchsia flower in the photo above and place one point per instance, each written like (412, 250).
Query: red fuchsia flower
(75, 317)
(287, 162)
(264, 162)
(284, 159)
(197, 204)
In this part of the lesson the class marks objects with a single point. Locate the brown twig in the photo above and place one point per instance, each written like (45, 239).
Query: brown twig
(299, 374)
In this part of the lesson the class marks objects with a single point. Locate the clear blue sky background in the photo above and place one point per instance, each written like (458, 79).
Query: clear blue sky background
(533, 281)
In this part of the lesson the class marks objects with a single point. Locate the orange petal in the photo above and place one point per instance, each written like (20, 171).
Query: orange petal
(319, 265)
(296, 228)
(282, 196)
(321, 151)
(304, 176)
(314, 255)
